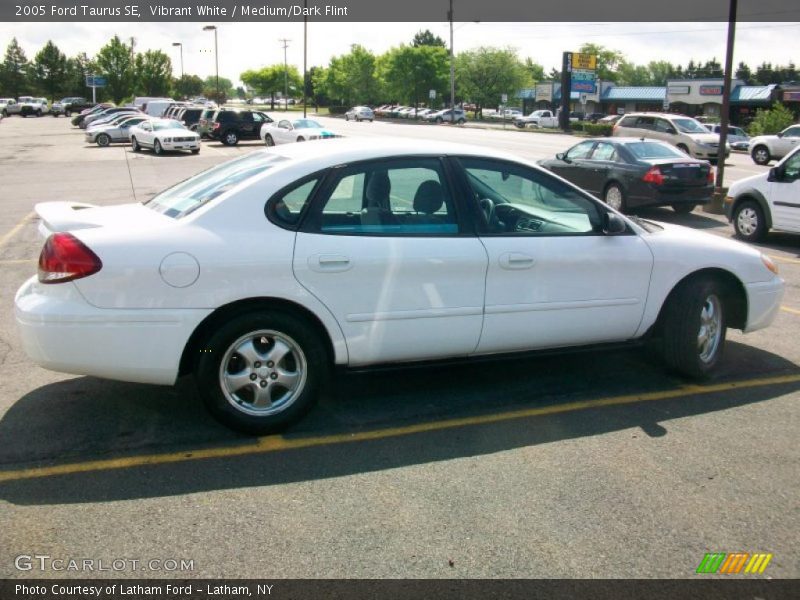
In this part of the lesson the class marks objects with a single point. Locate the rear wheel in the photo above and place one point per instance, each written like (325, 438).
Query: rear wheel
(135, 145)
(230, 138)
(683, 209)
(694, 327)
(103, 140)
(262, 371)
(614, 196)
(438, 120)
(749, 221)
(761, 155)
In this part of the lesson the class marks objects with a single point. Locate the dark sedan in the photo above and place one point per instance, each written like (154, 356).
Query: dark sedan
(628, 173)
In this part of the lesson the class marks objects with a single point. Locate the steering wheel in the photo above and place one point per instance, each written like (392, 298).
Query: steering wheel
(487, 206)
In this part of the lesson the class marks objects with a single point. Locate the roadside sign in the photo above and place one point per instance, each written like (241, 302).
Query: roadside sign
(432, 94)
(504, 98)
(584, 80)
(584, 61)
(96, 81)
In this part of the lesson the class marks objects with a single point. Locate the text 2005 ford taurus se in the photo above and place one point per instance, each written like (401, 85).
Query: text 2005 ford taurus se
(260, 274)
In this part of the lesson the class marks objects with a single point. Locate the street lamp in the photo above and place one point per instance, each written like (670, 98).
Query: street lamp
(452, 64)
(285, 74)
(216, 53)
(181, 46)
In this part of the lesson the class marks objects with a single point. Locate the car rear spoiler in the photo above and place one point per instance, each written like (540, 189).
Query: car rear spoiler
(62, 216)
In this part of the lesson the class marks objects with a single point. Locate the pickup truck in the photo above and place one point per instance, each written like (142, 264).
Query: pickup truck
(28, 106)
(72, 104)
(538, 118)
(8, 106)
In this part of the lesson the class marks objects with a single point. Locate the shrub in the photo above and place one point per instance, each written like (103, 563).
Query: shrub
(577, 126)
(598, 129)
(769, 122)
(338, 110)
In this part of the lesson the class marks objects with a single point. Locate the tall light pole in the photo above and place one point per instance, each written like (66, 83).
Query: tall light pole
(216, 53)
(452, 61)
(305, 53)
(285, 75)
(181, 46)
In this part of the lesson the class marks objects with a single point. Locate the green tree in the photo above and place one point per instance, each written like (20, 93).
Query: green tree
(660, 72)
(351, 78)
(408, 73)
(535, 71)
(225, 88)
(607, 60)
(78, 68)
(314, 92)
(484, 74)
(187, 86)
(272, 80)
(630, 74)
(14, 70)
(153, 73)
(427, 38)
(49, 70)
(115, 62)
(743, 73)
(769, 122)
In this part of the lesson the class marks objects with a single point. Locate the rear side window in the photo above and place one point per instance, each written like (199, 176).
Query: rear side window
(286, 208)
(645, 123)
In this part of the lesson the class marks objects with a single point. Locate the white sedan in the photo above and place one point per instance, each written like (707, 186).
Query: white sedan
(163, 135)
(297, 130)
(260, 274)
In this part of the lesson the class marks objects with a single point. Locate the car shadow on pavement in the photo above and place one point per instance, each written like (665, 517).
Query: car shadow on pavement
(407, 415)
(695, 219)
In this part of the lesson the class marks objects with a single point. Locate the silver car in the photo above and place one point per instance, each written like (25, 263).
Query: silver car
(105, 135)
(360, 113)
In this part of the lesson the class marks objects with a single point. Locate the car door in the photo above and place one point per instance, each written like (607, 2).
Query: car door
(283, 132)
(575, 166)
(554, 278)
(784, 194)
(146, 135)
(788, 141)
(385, 249)
(121, 133)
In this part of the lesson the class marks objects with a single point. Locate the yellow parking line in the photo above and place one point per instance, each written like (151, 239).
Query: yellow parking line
(791, 261)
(16, 229)
(794, 311)
(276, 443)
(20, 261)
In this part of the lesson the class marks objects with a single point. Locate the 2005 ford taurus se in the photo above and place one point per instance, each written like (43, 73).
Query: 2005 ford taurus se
(259, 275)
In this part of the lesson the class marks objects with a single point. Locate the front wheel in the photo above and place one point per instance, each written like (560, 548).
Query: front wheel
(761, 155)
(230, 138)
(135, 145)
(438, 120)
(683, 148)
(103, 140)
(694, 328)
(268, 140)
(157, 149)
(68, 113)
(301, 139)
(262, 371)
(196, 151)
(749, 222)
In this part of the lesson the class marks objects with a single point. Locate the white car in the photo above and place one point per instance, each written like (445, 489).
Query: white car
(163, 135)
(360, 113)
(447, 116)
(262, 273)
(297, 130)
(767, 201)
(507, 114)
(764, 148)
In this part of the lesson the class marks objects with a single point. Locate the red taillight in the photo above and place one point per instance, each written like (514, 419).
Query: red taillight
(654, 175)
(64, 258)
(710, 178)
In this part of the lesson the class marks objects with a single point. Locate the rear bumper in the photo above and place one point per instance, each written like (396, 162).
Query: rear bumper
(655, 197)
(62, 332)
(763, 303)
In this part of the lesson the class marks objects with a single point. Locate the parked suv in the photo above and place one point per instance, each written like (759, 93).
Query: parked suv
(767, 201)
(450, 116)
(685, 133)
(764, 148)
(229, 125)
(69, 105)
(190, 116)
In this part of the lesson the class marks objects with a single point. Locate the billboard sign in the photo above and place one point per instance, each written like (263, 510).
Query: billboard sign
(96, 81)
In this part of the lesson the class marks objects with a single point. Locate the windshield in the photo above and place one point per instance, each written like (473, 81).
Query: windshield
(162, 125)
(689, 126)
(306, 124)
(653, 150)
(191, 194)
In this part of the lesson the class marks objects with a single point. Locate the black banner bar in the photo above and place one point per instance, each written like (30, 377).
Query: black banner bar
(412, 589)
(383, 11)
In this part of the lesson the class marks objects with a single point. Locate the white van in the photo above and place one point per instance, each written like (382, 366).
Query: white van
(156, 106)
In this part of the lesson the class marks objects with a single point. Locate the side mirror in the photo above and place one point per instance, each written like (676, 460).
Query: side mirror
(613, 224)
(562, 156)
(779, 134)
(774, 174)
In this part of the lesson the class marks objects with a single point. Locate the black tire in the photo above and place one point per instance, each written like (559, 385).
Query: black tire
(749, 222)
(307, 360)
(157, 149)
(301, 139)
(196, 151)
(135, 145)
(761, 155)
(268, 140)
(68, 113)
(38, 113)
(346, 118)
(438, 120)
(684, 148)
(230, 138)
(5, 114)
(687, 315)
(683, 209)
(461, 121)
(103, 140)
(614, 196)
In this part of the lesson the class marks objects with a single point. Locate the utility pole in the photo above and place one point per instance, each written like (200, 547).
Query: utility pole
(216, 56)
(285, 75)
(452, 63)
(181, 47)
(305, 53)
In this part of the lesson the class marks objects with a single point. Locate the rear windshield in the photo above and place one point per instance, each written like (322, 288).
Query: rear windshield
(653, 150)
(189, 195)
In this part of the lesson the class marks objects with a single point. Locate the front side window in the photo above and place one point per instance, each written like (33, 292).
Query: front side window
(517, 200)
(791, 168)
(645, 123)
(663, 126)
(687, 125)
(792, 132)
(392, 197)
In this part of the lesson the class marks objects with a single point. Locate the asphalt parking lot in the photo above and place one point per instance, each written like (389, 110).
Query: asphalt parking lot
(581, 465)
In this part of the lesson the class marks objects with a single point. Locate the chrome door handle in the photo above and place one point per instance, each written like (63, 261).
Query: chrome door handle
(515, 260)
(329, 263)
